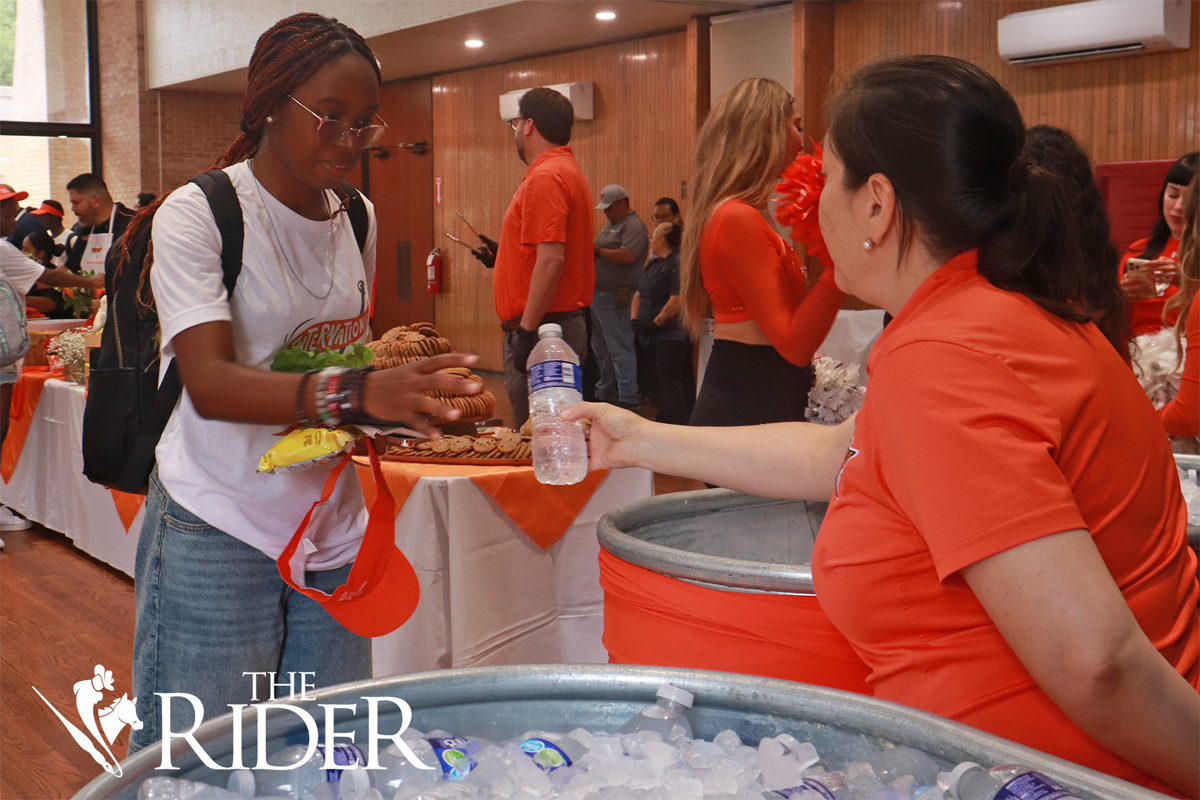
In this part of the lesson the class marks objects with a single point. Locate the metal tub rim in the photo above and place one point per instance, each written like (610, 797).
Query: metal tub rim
(747, 694)
(715, 572)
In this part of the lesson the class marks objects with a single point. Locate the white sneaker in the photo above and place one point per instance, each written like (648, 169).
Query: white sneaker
(11, 522)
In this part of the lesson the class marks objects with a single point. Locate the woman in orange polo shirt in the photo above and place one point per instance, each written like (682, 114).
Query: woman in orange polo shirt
(737, 268)
(996, 549)
(1181, 416)
(1150, 287)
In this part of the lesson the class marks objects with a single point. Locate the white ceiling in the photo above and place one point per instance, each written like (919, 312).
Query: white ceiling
(509, 31)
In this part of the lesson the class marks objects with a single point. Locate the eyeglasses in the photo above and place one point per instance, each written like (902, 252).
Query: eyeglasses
(663, 217)
(515, 122)
(332, 131)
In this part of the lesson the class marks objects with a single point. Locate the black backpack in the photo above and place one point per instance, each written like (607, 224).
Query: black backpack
(127, 409)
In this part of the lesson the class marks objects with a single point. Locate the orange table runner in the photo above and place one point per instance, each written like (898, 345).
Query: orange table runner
(27, 392)
(543, 512)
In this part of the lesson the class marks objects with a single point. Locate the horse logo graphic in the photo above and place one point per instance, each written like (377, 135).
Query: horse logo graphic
(103, 725)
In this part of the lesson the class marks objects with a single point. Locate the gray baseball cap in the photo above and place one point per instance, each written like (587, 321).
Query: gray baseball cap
(611, 194)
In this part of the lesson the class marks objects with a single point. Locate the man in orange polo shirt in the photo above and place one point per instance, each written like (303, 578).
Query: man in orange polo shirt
(544, 266)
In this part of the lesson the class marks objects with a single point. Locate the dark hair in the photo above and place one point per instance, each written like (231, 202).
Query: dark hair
(43, 241)
(1180, 174)
(669, 203)
(551, 112)
(288, 54)
(1056, 150)
(88, 183)
(949, 138)
(57, 206)
(146, 198)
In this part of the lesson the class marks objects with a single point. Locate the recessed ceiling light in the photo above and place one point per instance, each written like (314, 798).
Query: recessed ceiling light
(473, 43)
(606, 15)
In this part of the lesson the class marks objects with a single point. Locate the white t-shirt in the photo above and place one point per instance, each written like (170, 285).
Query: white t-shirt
(208, 466)
(19, 268)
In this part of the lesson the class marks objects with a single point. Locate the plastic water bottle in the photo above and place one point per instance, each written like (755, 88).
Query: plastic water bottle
(969, 781)
(555, 384)
(181, 789)
(900, 761)
(665, 716)
(551, 750)
(303, 777)
(456, 756)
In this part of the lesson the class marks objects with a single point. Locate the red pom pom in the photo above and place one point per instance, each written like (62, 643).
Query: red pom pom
(800, 192)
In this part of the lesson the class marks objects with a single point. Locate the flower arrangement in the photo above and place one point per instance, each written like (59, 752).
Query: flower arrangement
(800, 194)
(78, 300)
(68, 346)
(836, 392)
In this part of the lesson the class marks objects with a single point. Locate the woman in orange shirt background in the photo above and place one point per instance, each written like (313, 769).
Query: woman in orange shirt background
(1149, 287)
(1181, 417)
(735, 265)
(996, 550)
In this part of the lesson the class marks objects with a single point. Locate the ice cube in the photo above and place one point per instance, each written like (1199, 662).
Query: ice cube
(805, 754)
(719, 782)
(769, 747)
(779, 772)
(727, 740)
(788, 741)
(661, 752)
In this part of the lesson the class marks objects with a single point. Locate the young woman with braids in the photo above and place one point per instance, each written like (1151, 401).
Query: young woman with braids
(211, 604)
(738, 269)
(996, 549)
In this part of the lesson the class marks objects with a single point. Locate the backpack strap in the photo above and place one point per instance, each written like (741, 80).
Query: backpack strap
(356, 209)
(227, 211)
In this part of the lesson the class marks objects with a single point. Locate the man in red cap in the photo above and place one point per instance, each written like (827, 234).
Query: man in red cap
(46, 217)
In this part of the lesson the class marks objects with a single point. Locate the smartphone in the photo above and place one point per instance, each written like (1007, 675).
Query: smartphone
(1136, 264)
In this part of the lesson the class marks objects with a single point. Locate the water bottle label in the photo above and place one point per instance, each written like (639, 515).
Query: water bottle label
(809, 790)
(545, 754)
(1032, 786)
(555, 375)
(344, 755)
(454, 754)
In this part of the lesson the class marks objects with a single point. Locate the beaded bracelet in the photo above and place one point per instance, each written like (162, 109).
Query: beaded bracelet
(301, 413)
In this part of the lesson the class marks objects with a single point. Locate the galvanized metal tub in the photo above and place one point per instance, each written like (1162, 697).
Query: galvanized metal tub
(502, 702)
(720, 580)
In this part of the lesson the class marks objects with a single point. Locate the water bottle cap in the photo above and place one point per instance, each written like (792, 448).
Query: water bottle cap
(675, 694)
(241, 781)
(356, 778)
(956, 775)
(549, 329)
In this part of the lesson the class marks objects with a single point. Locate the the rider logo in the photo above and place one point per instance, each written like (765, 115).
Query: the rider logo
(103, 722)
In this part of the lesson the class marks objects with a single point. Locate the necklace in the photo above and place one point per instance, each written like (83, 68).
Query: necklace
(279, 244)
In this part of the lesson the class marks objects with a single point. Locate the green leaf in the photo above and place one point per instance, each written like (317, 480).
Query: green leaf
(296, 359)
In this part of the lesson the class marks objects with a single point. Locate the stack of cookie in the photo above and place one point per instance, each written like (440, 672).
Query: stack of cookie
(407, 344)
(506, 446)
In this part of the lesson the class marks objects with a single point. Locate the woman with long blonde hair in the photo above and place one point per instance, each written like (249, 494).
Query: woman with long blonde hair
(1181, 417)
(738, 269)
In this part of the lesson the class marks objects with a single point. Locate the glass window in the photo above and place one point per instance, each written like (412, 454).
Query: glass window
(42, 165)
(44, 59)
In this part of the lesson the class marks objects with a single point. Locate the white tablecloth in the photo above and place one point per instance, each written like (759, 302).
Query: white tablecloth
(489, 595)
(48, 485)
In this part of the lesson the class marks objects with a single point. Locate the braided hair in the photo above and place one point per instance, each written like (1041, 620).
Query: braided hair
(288, 54)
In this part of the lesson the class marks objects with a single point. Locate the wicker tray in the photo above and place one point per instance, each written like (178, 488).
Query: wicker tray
(460, 462)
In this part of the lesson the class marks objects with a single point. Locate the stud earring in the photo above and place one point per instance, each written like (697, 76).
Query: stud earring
(868, 244)
(270, 120)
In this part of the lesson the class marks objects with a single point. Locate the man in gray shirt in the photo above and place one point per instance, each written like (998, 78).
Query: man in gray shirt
(620, 250)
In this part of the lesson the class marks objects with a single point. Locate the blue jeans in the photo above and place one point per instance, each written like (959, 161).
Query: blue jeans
(612, 342)
(210, 607)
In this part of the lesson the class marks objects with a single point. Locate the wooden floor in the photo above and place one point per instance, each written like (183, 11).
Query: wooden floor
(61, 614)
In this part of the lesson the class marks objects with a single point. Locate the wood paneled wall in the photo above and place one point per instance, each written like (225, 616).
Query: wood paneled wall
(640, 138)
(1132, 108)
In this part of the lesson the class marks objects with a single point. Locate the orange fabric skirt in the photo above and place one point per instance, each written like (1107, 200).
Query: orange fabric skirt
(655, 619)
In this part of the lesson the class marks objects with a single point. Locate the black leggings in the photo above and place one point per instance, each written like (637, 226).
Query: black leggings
(751, 384)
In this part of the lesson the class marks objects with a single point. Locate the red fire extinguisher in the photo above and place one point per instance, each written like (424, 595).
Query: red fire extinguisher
(433, 270)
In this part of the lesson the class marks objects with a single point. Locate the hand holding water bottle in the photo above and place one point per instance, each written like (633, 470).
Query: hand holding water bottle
(617, 438)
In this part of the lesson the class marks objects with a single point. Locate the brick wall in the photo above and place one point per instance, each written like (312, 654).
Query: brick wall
(153, 141)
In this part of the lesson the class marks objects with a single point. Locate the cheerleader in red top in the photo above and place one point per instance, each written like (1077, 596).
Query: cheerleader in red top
(1181, 417)
(767, 322)
(1150, 287)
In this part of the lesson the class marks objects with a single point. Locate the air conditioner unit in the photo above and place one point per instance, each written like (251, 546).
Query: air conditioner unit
(580, 95)
(1097, 29)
